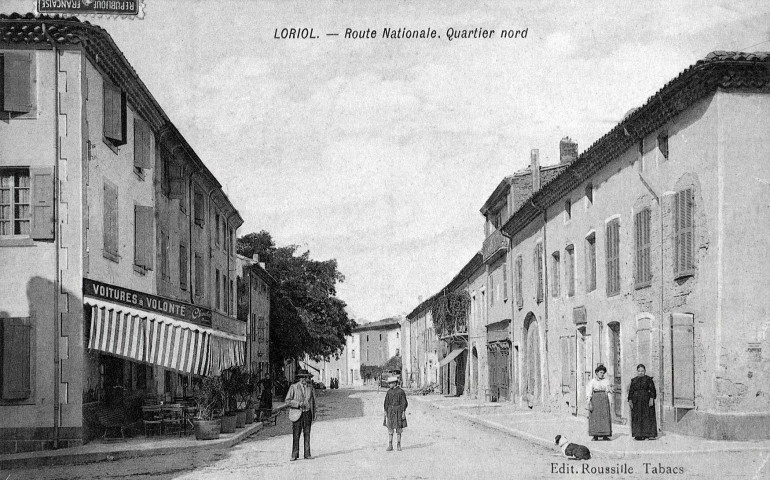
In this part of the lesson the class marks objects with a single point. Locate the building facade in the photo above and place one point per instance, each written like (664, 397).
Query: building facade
(108, 236)
(379, 341)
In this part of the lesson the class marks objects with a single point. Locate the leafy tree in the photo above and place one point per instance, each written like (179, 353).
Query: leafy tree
(305, 315)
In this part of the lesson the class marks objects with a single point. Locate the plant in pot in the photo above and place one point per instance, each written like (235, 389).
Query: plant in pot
(231, 384)
(208, 396)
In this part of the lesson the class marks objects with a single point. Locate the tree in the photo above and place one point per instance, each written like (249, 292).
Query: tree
(305, 315)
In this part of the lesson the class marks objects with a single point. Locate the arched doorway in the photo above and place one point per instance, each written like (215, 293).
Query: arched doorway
(531, 388)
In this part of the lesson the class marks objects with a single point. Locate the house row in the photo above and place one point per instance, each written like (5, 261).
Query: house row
(120, 278)
(644, 249)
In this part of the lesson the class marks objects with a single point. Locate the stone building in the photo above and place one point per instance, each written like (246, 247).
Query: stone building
(116, 241)
(644, 250)
(423, 347)
(253, 285)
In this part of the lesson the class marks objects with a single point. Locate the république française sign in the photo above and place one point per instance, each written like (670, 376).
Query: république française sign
(145, 301)
(99, 7)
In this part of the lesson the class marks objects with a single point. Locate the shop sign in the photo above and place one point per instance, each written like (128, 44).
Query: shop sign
(145, 301)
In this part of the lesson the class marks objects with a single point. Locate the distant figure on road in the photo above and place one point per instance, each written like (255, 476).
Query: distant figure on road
(641, 399)
(598, 393)
(395, 412)
(301, 401)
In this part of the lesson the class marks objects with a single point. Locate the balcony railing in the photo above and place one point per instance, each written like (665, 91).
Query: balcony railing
(495, 244)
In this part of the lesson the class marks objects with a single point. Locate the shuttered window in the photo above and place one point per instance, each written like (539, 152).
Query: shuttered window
(216, 227)
(539, 271)
(43, 221)
(218, 286)
(613, 257)
(165, 261)
(555, 274)
(591, 263)
(17, 85)
(183, 266)
(505, 282)
(16, 346)
(198, 206)
(519, 287)
(570, 259)
(642, 263)
(491, 289)
(114, 114)
(199, 276)
(663, 145)
(110, 212)
(142, 145)
(683, 359)
(144, 236)
(684, 238)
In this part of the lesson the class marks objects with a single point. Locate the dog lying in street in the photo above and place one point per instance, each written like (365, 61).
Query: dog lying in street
(573, 450)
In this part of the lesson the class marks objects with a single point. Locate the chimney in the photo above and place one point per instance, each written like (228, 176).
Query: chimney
(568, 150)
(262, 264)
(535, 167)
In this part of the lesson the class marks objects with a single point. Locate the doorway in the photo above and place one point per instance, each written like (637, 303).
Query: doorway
(585, 367)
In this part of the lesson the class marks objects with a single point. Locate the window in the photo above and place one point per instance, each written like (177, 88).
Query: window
(555, 280)
(165, 258)
(198, 206)
(353, 353)
(567, 210)
(216, 227)
(591, 263)
(663, 145)
(491, 289)
(505, 282)
(642, 268)
(380, 337)
(218, 286)
(589, 195)
(232, 242)
(641, 155)
(232, 297)
(15, 212)
(142, 146)
(684, 228)
(144, 238)
(110, 215)
(199, 277)
(539, 271)
(183, 266)
(114, 114)
(519, 287)
(15, 357)
(497, 219)
(367, 338)
(17, 76)
(613, 257)
(570, 259)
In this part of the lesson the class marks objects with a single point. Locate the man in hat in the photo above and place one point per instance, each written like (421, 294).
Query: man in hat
(395, 412)
(301, 401)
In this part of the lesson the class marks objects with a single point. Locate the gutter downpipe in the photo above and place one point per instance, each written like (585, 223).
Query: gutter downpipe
(57, 241)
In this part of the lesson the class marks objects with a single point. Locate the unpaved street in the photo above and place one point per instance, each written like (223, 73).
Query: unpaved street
(349, 442)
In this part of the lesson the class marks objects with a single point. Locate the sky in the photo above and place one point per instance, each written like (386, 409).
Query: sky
(380, 152)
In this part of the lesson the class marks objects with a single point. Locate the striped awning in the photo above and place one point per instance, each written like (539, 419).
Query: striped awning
(159, 340)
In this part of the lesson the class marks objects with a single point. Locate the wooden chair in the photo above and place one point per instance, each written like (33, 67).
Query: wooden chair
(152, 419)
(173, 419)
(113, 418)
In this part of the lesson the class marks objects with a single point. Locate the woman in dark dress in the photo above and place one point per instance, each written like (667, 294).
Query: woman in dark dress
(641, 399)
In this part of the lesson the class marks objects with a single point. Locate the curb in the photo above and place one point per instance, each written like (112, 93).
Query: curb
(65, 457)
(476, 420)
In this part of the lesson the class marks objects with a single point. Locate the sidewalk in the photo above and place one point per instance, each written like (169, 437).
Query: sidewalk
(138, 446)
(542, 428)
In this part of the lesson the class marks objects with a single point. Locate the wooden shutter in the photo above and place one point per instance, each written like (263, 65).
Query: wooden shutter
(613, 257)
(684, 236)
(591, 263)
(43, 221)
(539, 270)
(198, 206)
(16, 357)
(183, 267)
(144, 236)
(199, 275)
(642, 270)
(142, 145)
(555, 275)
(519, 288)
(683, 359)
(110, 211)
(17, 95)
(113, 113)
(570, 270)
(176, 180)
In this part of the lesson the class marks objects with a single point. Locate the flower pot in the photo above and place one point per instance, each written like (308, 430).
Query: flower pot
(249, 416)
(228, 423)
(240, 419)
(207, 429)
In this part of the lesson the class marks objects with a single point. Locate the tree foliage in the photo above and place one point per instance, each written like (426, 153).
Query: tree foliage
(450, 313)
(305, 315)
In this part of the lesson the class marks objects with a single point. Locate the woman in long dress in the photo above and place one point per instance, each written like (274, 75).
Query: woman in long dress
(641, 399)
(598, 393)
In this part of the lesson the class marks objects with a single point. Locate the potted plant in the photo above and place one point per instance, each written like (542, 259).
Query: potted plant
(252, 385)
(230, 385)
(207, 396)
